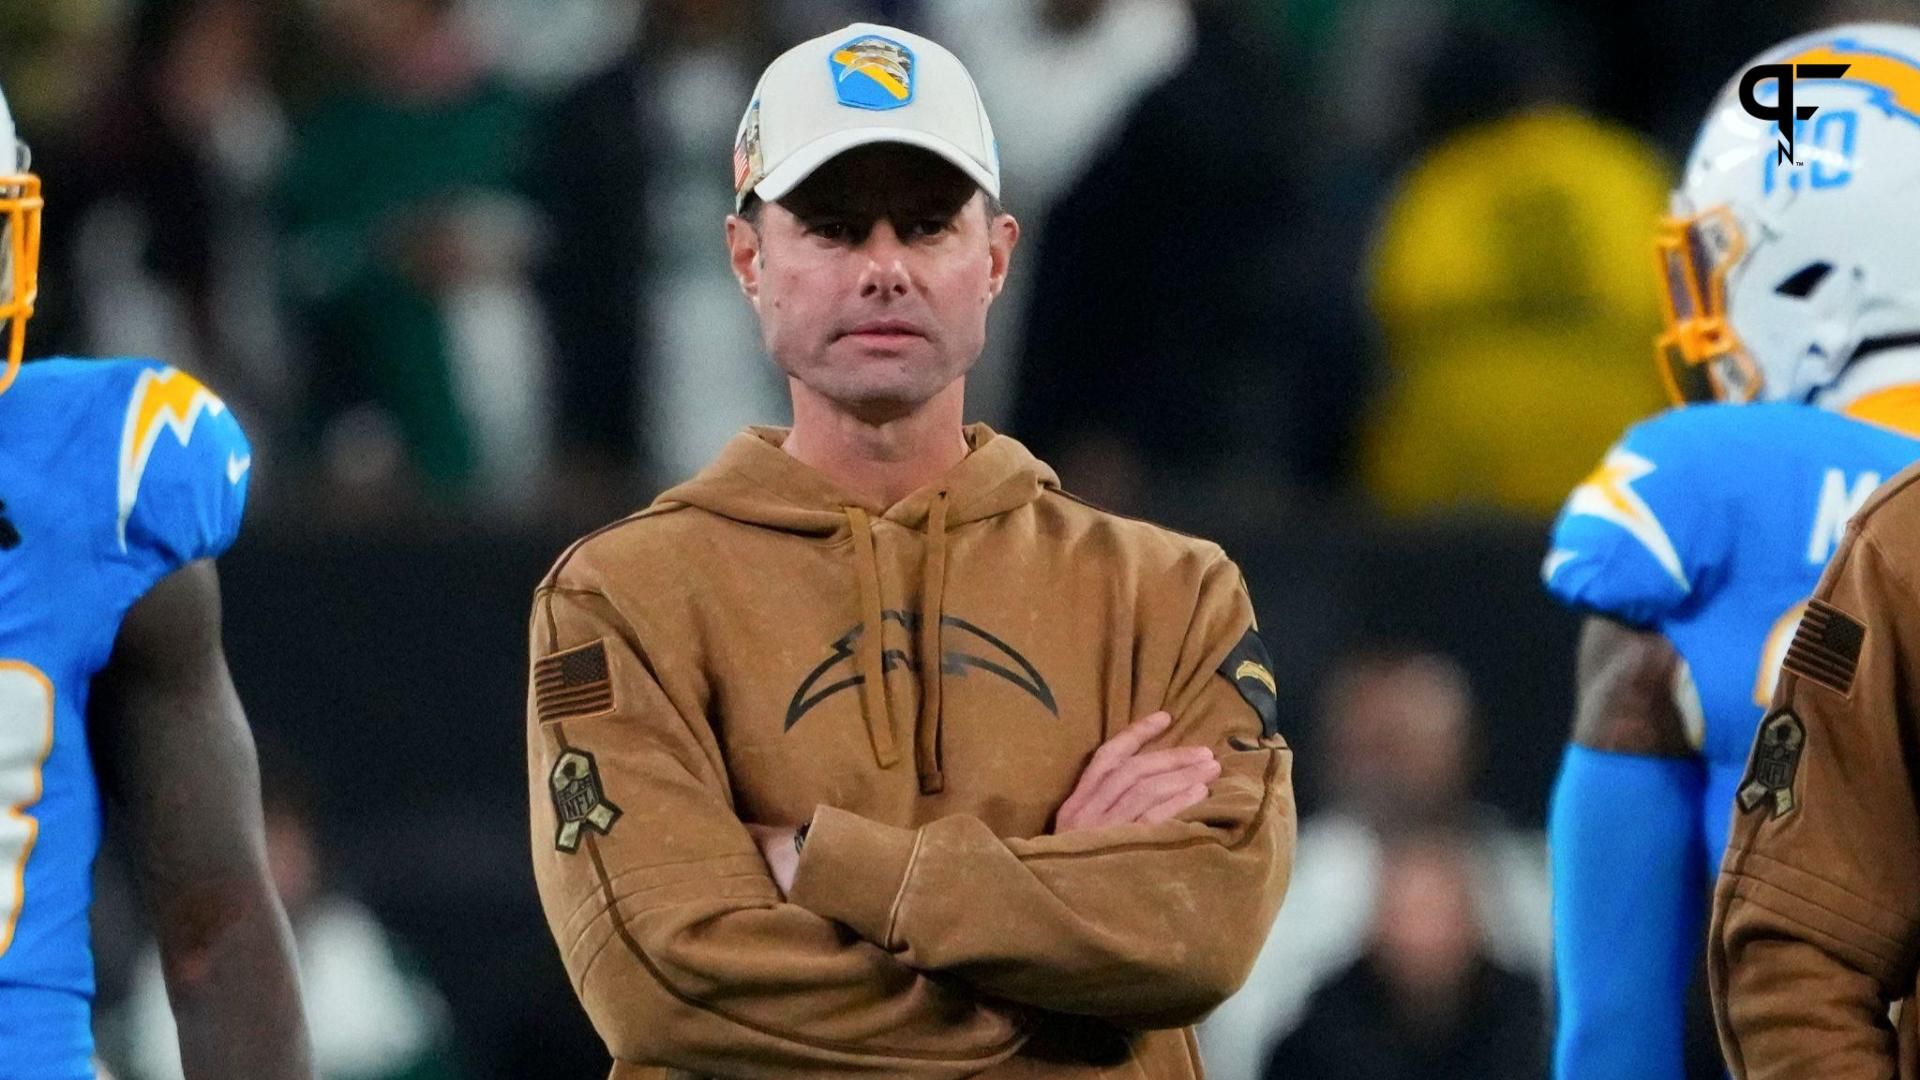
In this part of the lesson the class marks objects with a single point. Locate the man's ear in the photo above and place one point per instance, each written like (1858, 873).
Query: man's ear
(1003, 234)
(743, 254)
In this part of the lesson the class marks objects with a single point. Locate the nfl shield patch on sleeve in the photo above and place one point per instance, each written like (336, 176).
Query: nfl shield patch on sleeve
(578, 800)
(1776, 758)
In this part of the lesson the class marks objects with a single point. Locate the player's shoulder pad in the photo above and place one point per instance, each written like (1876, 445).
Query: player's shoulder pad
(1708, 440)
(1637, 538)
(182, 466)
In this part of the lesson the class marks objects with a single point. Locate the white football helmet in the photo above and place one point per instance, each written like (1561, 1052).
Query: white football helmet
(1781, 273)
(20, 206)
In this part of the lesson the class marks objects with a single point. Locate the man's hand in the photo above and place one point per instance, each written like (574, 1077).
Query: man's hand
(776, 846)
(1123, 785)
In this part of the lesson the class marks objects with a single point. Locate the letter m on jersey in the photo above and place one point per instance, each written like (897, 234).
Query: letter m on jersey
(1838, 503)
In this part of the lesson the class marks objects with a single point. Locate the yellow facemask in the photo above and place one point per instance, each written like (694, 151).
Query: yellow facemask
(20, 206)
(1699, 355)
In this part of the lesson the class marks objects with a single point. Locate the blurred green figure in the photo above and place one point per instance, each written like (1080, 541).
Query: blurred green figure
(400, 190)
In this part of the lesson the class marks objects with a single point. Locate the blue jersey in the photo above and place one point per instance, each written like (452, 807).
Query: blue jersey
(113, 474)
(1711, 524)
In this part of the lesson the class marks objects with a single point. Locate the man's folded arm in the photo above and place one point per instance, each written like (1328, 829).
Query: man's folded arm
(1147, 925)
(673, 932)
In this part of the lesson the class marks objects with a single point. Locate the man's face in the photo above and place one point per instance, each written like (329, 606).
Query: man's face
(1399, 739)
(872, 279)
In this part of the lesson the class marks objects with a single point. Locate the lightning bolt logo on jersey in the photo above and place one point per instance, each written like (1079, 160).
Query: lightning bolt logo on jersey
(1711, 524)
(114, 474)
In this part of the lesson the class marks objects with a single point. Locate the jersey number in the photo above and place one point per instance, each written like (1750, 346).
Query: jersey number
(26, 737)
(1828, 164)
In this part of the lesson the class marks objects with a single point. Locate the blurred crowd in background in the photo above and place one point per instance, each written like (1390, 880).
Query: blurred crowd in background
(456, 253)
(458, 266)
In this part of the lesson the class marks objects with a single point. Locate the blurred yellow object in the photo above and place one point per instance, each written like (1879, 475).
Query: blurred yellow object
(20, 206)
(52, 54)
(1510, 280)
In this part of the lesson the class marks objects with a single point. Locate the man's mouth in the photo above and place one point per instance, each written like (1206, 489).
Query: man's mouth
(885, 332)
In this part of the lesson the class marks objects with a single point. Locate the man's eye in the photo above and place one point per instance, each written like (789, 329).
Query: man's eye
(829, 230)
(927, 227)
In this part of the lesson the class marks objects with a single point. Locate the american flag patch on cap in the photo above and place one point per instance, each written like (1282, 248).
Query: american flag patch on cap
(1826, 648)
(573, 683)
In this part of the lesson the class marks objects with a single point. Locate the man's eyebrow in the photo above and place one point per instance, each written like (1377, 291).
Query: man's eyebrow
(821, 214)
(940, 208)
(869, 214)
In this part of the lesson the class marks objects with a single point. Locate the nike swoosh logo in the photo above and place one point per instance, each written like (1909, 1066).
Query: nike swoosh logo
(237, 467)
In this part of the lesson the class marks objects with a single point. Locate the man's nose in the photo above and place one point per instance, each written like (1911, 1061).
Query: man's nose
(885, 272)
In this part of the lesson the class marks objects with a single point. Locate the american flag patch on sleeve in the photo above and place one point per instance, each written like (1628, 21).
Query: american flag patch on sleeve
(573, 683)
(1826, 648)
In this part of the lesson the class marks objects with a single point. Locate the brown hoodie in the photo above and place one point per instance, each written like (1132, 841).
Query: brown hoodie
(748, 649)
(1816, 918)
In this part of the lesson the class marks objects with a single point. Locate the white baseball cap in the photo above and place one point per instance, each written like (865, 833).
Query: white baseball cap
(860, 85)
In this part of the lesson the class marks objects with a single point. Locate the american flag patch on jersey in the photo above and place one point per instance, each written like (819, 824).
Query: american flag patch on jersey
(573, 683)
(1826, 648)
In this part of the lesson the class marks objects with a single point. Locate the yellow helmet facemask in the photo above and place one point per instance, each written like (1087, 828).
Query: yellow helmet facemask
(20, 206)
(1700, 357)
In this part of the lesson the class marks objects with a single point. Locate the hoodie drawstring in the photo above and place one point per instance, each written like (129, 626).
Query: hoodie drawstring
(870, 653)
(933, 587)
(867, 654)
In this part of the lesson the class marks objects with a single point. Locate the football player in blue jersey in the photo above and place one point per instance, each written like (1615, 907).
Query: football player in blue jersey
(1793, 291)
(119, 483)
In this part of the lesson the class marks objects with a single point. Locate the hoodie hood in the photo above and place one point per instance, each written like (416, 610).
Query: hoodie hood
(755, 482)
